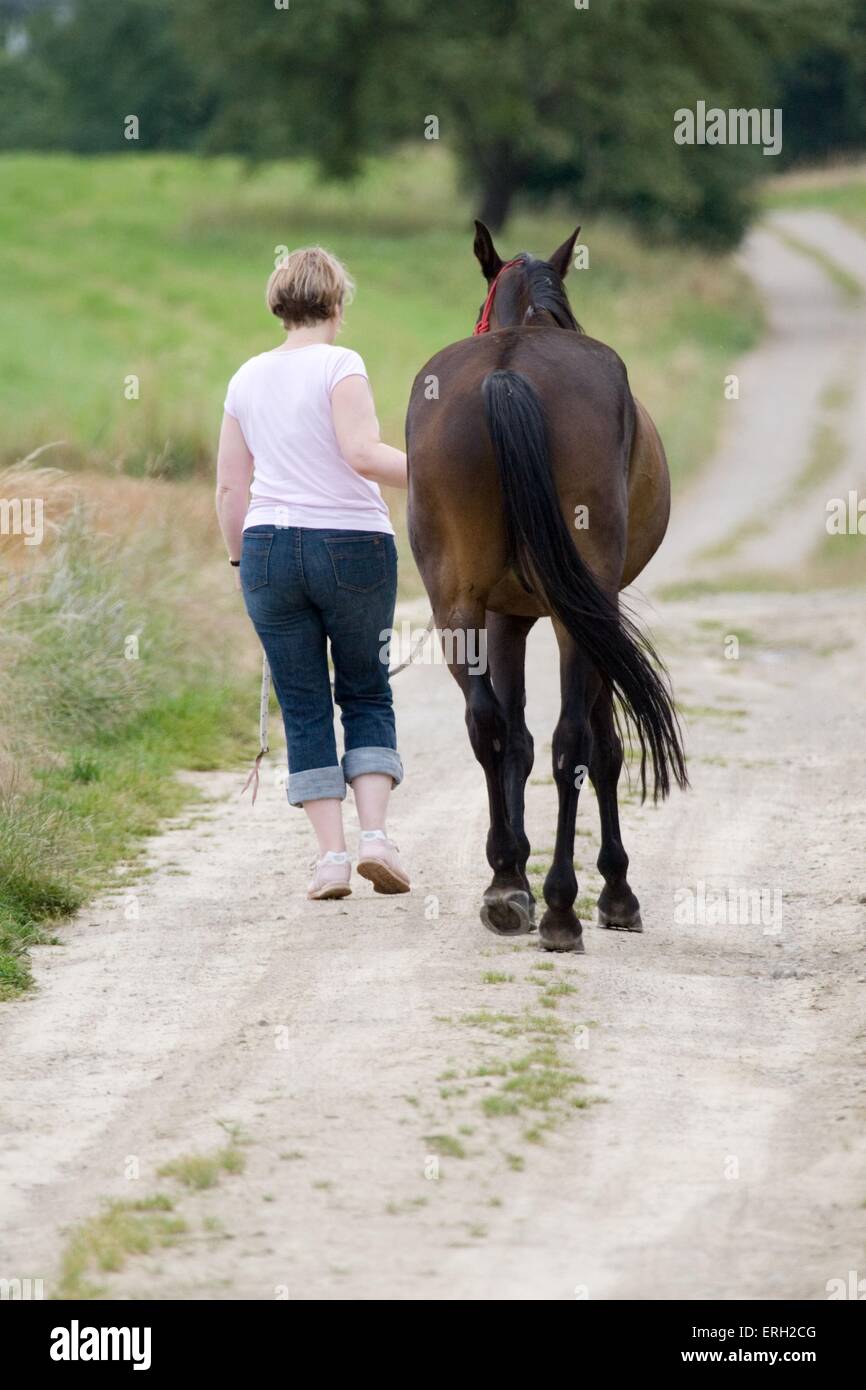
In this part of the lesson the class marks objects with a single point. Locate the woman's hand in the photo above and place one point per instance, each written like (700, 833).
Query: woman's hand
(357, 431)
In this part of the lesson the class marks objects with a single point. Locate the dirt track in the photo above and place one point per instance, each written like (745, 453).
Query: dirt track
(726, 1155)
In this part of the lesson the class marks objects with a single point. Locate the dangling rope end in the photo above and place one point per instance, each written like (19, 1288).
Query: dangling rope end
(253, 779)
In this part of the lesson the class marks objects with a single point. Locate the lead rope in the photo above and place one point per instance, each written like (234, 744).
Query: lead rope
(264, 704)
(414, 649)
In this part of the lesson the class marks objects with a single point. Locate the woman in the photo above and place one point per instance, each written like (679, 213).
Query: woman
(317, 559)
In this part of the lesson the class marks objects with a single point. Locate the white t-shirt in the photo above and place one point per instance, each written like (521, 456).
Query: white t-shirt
(282, 402)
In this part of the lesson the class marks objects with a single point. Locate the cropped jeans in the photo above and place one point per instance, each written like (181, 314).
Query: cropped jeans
(303, 588)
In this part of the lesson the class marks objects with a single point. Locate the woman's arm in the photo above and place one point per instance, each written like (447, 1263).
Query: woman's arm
(234, 473)
(357, 431)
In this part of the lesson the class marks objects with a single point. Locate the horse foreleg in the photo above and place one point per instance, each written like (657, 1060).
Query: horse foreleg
(560, 928)
(506, 904)
(617, 906)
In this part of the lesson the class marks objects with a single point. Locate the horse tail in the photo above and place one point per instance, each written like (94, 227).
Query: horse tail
(542, 548)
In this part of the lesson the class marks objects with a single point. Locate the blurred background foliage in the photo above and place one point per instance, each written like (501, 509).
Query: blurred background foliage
(533, 97)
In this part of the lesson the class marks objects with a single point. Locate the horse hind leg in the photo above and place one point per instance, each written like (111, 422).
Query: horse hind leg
(618, 907)
(506, 654)
(560, 928)
(505, 907)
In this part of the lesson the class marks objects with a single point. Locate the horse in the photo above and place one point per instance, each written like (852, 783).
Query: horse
(539, 487)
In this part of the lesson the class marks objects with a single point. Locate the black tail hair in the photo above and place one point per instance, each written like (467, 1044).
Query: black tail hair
(542, 548)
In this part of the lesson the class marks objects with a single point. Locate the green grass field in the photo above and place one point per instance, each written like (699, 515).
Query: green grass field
(155, 266)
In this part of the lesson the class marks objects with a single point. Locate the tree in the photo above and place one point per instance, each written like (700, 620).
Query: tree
(532, 96)
(76, 70)
(822, 93)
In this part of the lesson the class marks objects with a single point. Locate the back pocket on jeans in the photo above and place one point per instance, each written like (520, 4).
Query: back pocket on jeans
(359, 562)
(255, 553)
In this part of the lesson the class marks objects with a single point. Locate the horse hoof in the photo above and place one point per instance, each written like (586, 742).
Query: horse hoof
(508, 914)
(561, 932)
(620, 921)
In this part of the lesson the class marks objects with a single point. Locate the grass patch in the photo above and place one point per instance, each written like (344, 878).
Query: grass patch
(839, 188)
(105, 1242)
(484, 1018)
(746, 531)
(445, 1145)
(539, 1087)
(720, 631)
(826, 454)
(491, 1069)
(539, 1078)
(556, 991)
(537, 1025)
(751, 582)
(849, 285)
(497, 1105)
(712, 712)
(59, 840)
(201, 1171)
(838, 562)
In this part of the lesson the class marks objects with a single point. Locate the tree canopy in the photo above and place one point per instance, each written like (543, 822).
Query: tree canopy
(532, 96)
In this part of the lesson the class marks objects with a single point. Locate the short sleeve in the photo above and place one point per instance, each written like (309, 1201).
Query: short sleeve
(231, 405)
(344, 362)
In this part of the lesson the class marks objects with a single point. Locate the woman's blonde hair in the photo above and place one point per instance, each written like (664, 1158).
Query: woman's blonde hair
(308, 286)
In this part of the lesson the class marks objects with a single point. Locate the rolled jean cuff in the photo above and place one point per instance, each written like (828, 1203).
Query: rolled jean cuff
(357, 761)
(316, 784)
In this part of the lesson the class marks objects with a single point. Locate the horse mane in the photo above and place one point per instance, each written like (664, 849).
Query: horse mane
(547, 293)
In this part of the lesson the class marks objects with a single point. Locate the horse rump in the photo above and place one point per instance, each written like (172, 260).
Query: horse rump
(542, 550)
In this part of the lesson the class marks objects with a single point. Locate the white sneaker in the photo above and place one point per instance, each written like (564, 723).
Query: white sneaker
(331, 876)
(379, 862)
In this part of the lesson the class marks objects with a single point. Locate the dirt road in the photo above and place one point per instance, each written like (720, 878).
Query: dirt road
(426, 1111)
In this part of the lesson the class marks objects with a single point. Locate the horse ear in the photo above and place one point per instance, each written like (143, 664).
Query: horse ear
(561, 258)
(488, 257)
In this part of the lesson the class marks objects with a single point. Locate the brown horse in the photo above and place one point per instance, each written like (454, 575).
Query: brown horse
(538, 486)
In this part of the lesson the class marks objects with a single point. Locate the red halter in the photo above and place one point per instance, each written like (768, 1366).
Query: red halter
(483, 324)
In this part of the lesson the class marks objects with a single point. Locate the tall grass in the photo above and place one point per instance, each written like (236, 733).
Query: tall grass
(106, 687)
(75, 638)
